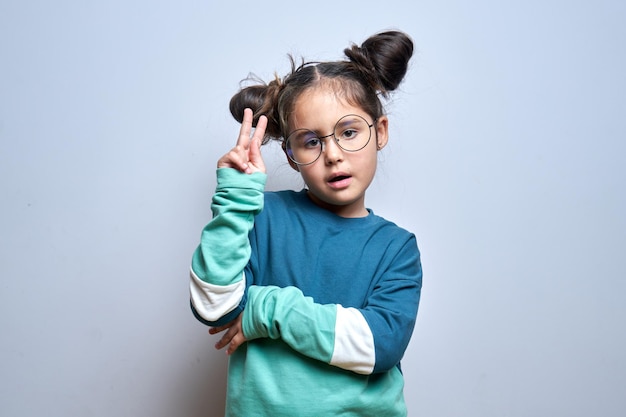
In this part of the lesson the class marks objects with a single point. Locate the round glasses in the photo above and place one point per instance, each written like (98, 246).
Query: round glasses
(352, 133)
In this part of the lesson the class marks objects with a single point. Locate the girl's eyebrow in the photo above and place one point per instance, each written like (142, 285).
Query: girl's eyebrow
(348, 118)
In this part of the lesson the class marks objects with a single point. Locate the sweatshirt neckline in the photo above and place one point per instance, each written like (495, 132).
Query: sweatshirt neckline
(330, 216)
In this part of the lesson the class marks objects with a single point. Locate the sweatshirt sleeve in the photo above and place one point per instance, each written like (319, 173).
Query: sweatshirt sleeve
(367, 340)
(217, 282)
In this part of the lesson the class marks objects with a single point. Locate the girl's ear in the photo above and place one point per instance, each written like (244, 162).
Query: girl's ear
(382, 132)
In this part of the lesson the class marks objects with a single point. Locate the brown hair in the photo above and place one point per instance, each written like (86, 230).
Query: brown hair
(377, 67)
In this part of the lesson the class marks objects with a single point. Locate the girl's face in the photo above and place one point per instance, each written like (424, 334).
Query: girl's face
(338, 179)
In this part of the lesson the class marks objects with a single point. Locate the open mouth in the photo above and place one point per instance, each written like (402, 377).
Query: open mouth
(339, 178)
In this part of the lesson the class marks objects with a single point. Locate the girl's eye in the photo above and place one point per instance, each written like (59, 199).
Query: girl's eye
(311, 143)
(303, 139)
(349, 134)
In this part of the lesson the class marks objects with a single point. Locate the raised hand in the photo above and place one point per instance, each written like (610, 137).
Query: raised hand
(246, 155)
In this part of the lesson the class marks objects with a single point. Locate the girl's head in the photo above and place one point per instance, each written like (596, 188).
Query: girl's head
(374, 69)
(318, 102)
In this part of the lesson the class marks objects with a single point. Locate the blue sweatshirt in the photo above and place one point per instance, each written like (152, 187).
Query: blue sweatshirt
(329, 303)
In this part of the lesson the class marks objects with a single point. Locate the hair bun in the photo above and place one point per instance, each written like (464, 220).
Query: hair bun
(261, 98)
(383, 59)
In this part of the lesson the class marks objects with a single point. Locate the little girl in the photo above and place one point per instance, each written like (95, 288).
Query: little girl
(316, 294)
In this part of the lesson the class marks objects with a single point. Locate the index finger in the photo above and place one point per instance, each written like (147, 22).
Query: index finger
(246, 128)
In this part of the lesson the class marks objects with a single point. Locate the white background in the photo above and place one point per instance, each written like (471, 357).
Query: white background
(506, 158)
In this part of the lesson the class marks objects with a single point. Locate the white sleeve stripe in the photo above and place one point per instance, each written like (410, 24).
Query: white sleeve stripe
(214, 301)
(354, 342)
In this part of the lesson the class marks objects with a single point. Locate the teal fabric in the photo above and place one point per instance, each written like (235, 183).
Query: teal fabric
(366, 263)
(300, 262)
(268, 378)
(286, 314)
(224, 249)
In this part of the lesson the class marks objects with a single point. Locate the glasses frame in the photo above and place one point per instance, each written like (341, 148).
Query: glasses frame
(322, 139)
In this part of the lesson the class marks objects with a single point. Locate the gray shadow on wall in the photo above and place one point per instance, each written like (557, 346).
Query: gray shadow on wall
(202, 388)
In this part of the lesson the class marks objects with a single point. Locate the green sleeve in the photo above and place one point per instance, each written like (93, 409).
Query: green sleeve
(217, 285)
(224, 248)
(285, 313)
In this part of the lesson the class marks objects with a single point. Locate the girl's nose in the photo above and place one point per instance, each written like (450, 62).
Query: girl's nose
(332, 152)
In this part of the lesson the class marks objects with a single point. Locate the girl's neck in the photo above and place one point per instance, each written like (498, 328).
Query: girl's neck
(355, 210)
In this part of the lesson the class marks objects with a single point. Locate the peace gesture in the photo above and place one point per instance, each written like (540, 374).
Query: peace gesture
(246, 155)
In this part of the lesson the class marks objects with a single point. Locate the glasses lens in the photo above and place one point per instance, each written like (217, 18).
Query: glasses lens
(352, 132)
(303, 146)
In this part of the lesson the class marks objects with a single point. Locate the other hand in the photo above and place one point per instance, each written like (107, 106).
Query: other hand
(233, 337)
